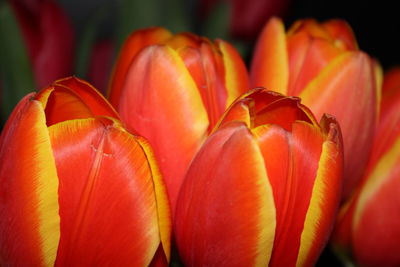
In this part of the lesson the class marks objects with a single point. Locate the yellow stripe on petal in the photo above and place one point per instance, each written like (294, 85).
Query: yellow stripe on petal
(163, 208)
(30, 228)
(377, 178)
(47, 190)
(236, 77)
(323, 205)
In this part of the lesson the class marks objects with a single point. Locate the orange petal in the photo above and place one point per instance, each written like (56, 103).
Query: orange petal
(108, 205)
(326, 196)
(269, 66)
(185, 39)
(29, 212)
(342, 34)
(90, 96)
(62, 104)
(133, 45)
(225, 214)
(236, 75)
(347, 86)
(161, 101)
(388, 129)
(207, 70)
(308, 55)
(291, 160)
(376, 232)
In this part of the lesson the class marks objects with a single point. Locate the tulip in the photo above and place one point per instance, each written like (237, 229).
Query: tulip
(173, 93)
(264, 188)
(321, 63)
(368, 224)
(49, 37)
(77, 189)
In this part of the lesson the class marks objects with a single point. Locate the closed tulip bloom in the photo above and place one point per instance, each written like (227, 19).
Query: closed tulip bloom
(264, 188)
(321, 63)
(77, 189)
(173, 93)
(368, 225)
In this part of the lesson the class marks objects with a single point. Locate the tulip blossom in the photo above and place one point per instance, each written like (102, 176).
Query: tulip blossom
(264, 188)
(173, 93)
(368, 225)
(321, 63)
(49, 37)
(76, 188)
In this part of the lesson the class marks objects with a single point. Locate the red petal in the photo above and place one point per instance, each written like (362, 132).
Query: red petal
(225, 213)
(376, 232)
(133, 45)
(160, 101)
(98, 105)
(292, 162)
(29, 224)
(108, 205)
(347, 86)
(342, 33)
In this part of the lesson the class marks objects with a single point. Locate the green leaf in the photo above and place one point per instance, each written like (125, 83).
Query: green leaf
(15, 68)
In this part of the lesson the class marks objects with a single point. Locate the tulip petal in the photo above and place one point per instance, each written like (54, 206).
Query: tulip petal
(335, 90)
(325, 197)
(269, 67)
(29, 225)
(291, 160)
(342, 33)
(132, 46)
(225, 213)
(90, 96)
(376, 232)
(161, 102)
(307, 57)
(236, 76)
(108, 207)
(62, 104)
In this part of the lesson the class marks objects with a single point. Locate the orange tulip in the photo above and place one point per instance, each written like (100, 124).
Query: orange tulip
(77, 189)
(264, 188)
(321, 63)
(368, 225)
(173, 93)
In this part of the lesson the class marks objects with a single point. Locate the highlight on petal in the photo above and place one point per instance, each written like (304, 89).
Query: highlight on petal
(225, 214)
(160, 100)
(108, 207)
(347, 86)
(269, 67)
(28, 189)
(132, 46)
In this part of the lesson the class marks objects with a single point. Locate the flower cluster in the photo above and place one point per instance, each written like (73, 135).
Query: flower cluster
(191, 151)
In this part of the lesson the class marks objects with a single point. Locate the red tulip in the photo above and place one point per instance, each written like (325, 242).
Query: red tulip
(322, 64)
(77, 189)
(174, 93)
(368, 225)
(49, 37)
(264, 188)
